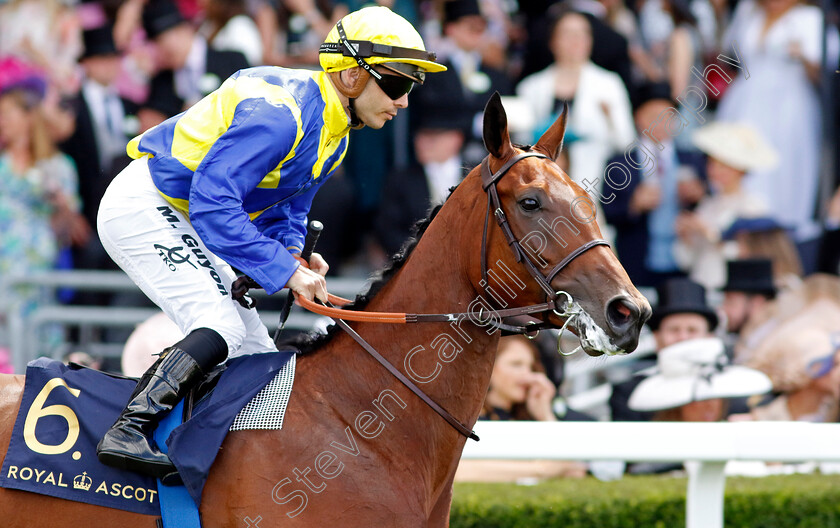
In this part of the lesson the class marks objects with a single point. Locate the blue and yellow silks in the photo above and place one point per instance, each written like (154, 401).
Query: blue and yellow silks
(245, 162)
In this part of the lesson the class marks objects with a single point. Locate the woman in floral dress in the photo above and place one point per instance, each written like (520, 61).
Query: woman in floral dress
(39, 204)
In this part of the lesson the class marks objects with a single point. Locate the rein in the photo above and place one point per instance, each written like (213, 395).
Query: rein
(557, 302)
(334, 310)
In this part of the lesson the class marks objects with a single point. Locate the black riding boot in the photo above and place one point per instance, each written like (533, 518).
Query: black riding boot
(128, 443)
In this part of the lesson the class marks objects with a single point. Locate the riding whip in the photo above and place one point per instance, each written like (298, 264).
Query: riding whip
(312, 233)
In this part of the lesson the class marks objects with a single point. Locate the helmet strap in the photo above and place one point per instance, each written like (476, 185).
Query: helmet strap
(355, 122)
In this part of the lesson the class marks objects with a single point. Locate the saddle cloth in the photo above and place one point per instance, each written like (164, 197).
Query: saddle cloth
(65, 410)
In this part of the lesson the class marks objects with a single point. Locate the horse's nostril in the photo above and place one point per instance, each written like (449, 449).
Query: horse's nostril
(622, 313)
(623, 310)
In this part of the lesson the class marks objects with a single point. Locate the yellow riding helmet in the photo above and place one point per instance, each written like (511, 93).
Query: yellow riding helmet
(378, 35)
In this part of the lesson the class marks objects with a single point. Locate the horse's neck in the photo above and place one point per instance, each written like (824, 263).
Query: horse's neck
(450, 362)
(460, 351)
(435, 279)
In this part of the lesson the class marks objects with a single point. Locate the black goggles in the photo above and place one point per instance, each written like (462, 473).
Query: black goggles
(395, 86)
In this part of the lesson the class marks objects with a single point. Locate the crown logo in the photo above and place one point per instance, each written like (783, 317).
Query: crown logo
(82, 482)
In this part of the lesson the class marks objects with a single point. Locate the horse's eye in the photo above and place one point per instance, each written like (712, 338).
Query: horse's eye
(529, 204)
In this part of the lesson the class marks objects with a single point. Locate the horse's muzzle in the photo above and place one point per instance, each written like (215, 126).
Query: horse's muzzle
(625, 317)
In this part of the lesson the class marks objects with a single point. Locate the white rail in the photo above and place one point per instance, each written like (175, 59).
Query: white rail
(710, 444)
(22, 332)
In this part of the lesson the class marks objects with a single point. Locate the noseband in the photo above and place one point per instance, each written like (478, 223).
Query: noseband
(558, 302)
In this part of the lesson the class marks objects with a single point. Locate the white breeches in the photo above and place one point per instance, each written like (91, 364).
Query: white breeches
(158, 248)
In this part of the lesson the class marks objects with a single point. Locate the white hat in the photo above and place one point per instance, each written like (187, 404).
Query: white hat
(736, 144)
(695, 370)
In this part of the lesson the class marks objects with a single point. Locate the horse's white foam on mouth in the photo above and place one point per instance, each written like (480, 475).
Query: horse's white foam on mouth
(592, 336)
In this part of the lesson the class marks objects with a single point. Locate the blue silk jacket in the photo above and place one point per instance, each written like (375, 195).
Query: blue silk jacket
(245, 162)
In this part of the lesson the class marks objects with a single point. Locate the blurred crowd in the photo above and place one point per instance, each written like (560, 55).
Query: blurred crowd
(702, 129)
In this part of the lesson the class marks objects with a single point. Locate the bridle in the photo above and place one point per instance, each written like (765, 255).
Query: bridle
(559, 303)
(489, 180)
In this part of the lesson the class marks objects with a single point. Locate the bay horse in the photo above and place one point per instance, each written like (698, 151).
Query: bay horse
(357, 448)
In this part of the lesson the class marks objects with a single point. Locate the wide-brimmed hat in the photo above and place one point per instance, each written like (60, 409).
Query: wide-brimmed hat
(750, 276)
(17, 74)
(798, 360)
(680, 295)
(758, 224)
(99, 41)
(695, 370)
(736, 144)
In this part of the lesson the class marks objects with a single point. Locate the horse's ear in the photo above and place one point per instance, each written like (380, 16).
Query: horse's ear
(496, 136)
(551, 142)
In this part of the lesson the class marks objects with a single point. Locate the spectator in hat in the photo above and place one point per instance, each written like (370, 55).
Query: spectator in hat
(764, 237)
(610, 48)
(682, 314)
(807, 374)
(693, 382)
(663, 182)
(104, 124)
(409, 193)
(46, 33)
(468, 80)
(747, 293)
(732, 150)
(187, 62)
(20, 73)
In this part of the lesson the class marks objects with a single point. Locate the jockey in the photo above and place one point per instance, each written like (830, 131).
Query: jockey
(229, 182)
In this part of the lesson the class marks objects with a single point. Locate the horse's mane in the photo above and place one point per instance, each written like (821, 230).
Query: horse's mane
(308, 342)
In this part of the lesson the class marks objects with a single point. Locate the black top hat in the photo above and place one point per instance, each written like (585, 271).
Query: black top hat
(750, 276)
(99, 41)
(677, 296)
(652, 91)
(159, 16)
(455, 9)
